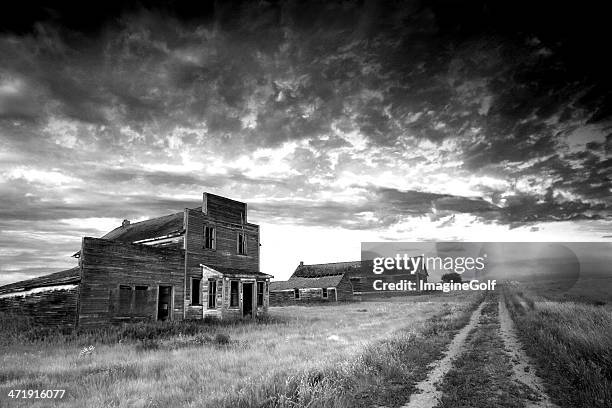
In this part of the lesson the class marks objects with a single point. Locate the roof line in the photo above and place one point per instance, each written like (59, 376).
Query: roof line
(148, 219)
(330, 263)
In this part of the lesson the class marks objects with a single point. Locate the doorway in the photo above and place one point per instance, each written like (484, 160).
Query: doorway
(164, 302)
(247, 299)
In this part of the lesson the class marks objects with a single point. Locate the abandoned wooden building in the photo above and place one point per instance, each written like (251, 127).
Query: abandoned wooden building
(333, 282)
(199, 262)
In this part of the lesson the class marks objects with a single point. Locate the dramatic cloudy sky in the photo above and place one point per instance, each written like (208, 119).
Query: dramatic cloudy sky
(338, 122)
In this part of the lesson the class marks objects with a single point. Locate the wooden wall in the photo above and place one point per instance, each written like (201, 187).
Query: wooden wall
(307, 295)
(345, 289)
(44, 307)
(228, 217)
(108, 264)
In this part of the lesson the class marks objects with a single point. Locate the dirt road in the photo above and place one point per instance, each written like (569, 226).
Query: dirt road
(429, 394)
(487, 348)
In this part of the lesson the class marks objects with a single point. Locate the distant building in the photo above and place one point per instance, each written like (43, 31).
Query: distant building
(319, 282)
(199, 262)
(339, 281)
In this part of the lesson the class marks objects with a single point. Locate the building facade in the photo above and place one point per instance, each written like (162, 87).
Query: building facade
(200, 262)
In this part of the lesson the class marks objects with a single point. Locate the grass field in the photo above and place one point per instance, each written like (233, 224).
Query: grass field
(596, 291)
(339, 355)
(362, 354)
(571, 343)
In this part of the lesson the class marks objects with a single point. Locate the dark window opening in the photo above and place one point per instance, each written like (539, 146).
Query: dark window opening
(195, 291)
(212, 294)
(164, 302)
(209, 237)
(234, 294)
(296, 293)
(324, 292)
(260, 293)
(140, 299)
(242, 244)
(125, 300)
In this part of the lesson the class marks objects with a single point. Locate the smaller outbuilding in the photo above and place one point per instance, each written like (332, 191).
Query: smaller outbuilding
(316, 283)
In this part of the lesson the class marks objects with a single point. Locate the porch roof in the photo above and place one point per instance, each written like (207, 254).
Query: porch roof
(235, 272)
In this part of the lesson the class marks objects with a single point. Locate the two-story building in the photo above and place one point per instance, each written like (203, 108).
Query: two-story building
(199, 262)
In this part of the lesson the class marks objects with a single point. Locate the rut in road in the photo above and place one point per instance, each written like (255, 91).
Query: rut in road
(429, 395)
(522, 368)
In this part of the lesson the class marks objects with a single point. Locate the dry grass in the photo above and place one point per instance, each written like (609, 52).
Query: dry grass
(571, 343)
(295, 356)
(594, 291)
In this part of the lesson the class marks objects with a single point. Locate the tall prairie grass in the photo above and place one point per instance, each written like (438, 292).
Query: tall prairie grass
(571, 344)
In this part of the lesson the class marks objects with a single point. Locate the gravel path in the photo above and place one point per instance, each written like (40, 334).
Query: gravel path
(429, 395)
(523, 369)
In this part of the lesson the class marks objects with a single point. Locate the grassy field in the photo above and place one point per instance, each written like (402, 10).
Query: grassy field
(596, 291)
(571, 343)
(339, 355)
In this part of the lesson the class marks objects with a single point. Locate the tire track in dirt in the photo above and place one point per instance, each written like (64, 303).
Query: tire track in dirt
(429, 395)
(522, 369)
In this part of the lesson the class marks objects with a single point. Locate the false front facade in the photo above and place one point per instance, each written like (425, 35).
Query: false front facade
(200, 262)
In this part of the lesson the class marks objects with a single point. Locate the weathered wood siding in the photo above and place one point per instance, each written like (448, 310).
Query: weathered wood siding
(106, 265)
(307, 295)
(228, 217)
(344, 290)
(43, 306)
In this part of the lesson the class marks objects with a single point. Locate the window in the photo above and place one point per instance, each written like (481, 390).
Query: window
(242, 249)
(260, 293)
(296, 293)
(324, 293)
(140, 300)
(212, 294)
(125, 300)
(210, 236)
(195, 291)
(234, 294)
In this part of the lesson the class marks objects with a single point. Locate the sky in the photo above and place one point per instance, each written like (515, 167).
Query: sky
(337, 122)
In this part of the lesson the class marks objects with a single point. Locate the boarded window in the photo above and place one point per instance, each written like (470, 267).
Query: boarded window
(296, 293)
(242, 249)
(125, 300)
(210, 237)
(212, 294)
(140, 300)
(260, 293)
(195, 291)
(324, 292)
(234, 294)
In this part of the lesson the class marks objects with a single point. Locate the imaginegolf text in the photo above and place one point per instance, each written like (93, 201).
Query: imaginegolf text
(405, 285)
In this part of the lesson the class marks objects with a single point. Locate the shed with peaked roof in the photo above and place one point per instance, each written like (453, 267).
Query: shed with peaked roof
(328, 282)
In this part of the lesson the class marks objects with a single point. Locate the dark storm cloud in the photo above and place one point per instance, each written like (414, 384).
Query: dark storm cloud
(387, 207)
(322, 63)
(52, 207)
